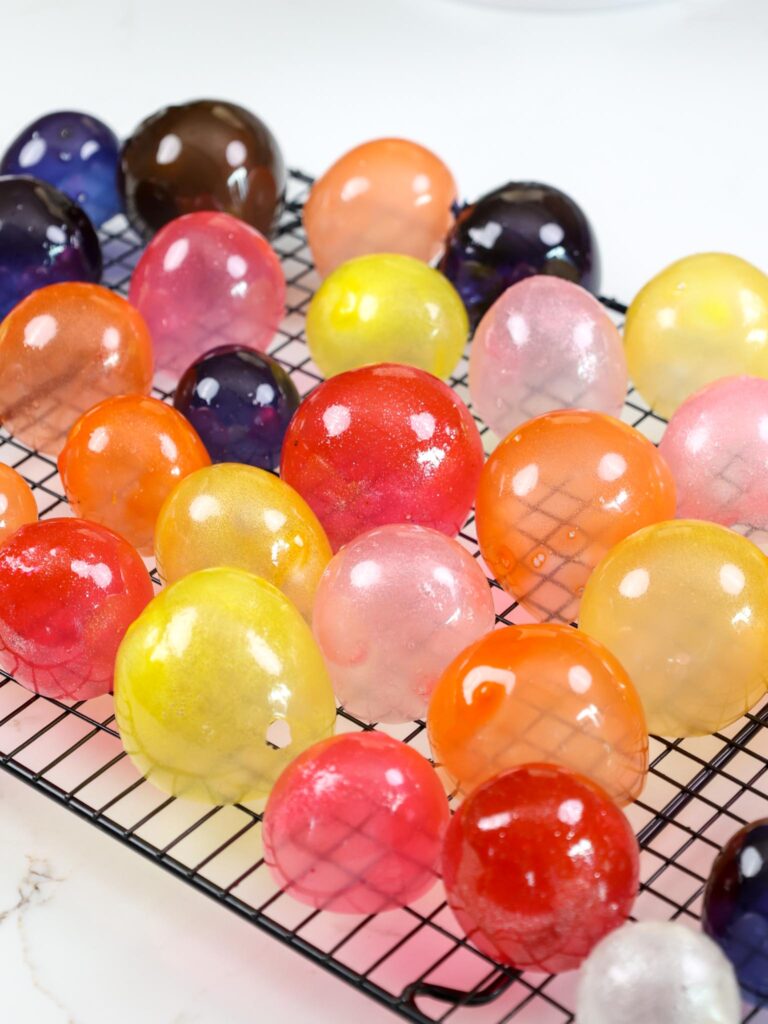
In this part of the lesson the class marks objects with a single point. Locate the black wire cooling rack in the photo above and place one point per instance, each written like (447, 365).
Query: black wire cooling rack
(414, 960)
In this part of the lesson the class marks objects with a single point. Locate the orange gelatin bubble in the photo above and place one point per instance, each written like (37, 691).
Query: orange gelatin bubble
(121, 461)
(63, 349)
(385, 196)
(17, 502)
(556, 495)
(539, 693)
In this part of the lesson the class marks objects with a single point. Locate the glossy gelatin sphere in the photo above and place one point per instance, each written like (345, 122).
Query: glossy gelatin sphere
(684, 607)
(735, 911)
(387, 195)
(205, 280)
(520, 229)
(716, 445)
(68, 591)
(240, 402)
(75, 152)
(44, 238)
(556, 495)
(704, 317)
(203, 155)
(17, 502)
(539, 693)
(383, 444)
(545, 344)
(63, 349)
(218, 686)
(657, 972)
(393, 608)
(386, 308)
(355, 825)
(121, 461)
(539, 864)
(246, 518)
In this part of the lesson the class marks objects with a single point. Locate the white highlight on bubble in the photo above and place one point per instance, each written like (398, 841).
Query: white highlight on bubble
(493, 821)
(40, 330)
(365, 573)
(32, 152)
(423, 425)
(487, 674)
(611, 466)
(168, 447)
(570, 812)
(110, 339)
(353, 188)
(175, 254)
(551, 234)
(518, 329)
(274, 519)
(264, 655)
(579, 678)
(99, 573)
(750, 862)
(55, 234)
(236, 153)
(236, 266)
(635, 583)
(336, 419)
(207, 389)
(525, 480)
(203, 507)
(97, 442)
(168, 149)
(732, 579)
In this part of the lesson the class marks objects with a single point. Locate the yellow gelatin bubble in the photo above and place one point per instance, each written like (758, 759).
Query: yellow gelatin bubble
(683, 605)
(386, 309)
(704, 317)
(239, 516)
(219, 684)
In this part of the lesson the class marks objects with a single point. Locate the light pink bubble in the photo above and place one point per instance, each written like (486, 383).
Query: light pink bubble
(545, 344)
(394, 607)
(716, 445)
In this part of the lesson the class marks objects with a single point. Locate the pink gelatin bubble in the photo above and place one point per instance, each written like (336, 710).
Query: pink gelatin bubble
(355, 825)
(393, 609)
(207, 279)
(716, 446)
(545, 344)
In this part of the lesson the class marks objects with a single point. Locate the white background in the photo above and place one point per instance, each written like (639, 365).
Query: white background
(653, 118)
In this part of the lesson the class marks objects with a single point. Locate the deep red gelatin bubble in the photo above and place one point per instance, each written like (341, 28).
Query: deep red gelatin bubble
(355, 825)
(69, 589)
(538, 866)
(383, 444)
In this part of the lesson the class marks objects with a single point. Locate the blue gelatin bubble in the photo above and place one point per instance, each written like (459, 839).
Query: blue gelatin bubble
(45, 238)
(735, 912)
(240, 402)
(75, 152)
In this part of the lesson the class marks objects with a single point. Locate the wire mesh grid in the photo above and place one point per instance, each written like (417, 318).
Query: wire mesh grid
(414, 960)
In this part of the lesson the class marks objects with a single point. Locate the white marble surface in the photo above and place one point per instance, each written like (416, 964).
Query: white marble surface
(652, 117)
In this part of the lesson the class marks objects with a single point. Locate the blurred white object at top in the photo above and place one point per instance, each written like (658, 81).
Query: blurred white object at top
(562, 5)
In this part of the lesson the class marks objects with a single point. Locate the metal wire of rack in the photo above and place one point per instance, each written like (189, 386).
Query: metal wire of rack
(415, 960)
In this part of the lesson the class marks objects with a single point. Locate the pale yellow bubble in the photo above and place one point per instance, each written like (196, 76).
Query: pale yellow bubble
(386, 309)
(702, 318)
(684, 607)
(219, 684)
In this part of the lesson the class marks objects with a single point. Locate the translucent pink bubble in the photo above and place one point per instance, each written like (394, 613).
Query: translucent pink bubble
(207, 279)
(716, 445)
(393, 609)
(355, 825)
(545, 344)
